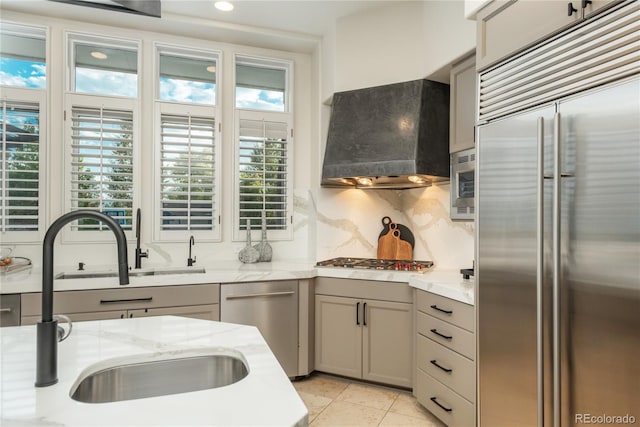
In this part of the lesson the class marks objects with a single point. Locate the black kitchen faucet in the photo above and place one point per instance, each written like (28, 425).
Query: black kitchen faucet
(47, 328)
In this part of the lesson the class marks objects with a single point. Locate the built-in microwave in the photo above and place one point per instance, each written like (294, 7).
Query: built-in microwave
(463, 169)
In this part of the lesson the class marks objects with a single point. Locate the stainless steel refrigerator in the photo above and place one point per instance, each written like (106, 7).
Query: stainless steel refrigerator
(558, 260)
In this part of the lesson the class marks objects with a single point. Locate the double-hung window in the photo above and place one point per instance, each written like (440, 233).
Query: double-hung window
(101, 120)
(264, 146)
(22, 132)
(187, 144)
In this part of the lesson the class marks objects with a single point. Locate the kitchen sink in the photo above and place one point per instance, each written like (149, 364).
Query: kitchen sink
(135, 273)
(151, 378)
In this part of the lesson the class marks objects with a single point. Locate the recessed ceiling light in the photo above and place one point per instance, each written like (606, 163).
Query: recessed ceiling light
(224, 6)
(98, 55)
(211, 68)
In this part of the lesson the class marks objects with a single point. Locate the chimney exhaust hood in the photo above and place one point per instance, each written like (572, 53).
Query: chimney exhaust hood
(393, 136)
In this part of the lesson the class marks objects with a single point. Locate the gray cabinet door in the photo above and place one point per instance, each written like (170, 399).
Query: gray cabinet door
(505, 27)
(339, 335)
(387, 333)
(462, 105)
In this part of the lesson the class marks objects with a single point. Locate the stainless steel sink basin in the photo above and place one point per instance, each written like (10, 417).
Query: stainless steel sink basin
(159, 378)
(135, 273)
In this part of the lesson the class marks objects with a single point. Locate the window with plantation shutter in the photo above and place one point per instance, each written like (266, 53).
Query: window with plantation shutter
(20, 152)
(263, 171)
(187, 173)
(102, 165)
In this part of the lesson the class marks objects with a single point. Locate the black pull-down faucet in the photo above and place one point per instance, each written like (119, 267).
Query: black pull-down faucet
(47, 328)
(191, 261)
(139, 252)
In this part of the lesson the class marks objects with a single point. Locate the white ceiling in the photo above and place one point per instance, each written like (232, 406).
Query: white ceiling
(301, 16)
(289, 25)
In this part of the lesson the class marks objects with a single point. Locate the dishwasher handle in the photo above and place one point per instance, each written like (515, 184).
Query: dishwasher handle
(265, 294)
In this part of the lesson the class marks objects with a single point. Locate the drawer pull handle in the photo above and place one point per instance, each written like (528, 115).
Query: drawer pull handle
(364, 314)
(435, 363)
(358, 313)
(6, 310)
(120, 301)
(265, 294)
(435, 307)
(435, 400)
(446, 337)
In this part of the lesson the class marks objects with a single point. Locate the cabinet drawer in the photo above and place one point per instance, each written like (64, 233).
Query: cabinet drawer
(448, 367)
(455, 312)
(123, 299)
(455, 410)
(448, 335)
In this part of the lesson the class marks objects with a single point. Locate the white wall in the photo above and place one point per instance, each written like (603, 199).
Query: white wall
(397, 43)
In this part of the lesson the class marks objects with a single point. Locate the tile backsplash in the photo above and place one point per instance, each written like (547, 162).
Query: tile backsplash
(349, 222)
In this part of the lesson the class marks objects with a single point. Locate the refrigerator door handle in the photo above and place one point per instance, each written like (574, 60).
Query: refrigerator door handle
(540, 275)
(556, 271)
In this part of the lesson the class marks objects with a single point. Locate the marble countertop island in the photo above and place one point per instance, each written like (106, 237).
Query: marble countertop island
(264, 397)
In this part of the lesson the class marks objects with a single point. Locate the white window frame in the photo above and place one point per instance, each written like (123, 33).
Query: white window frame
(32, 96)
(192, 53)
(111, 102)
(175, 108)
(106, 41)
(74, 100)
(239, 231)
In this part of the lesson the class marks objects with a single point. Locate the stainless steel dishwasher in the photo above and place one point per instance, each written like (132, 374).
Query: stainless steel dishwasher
(273, 308)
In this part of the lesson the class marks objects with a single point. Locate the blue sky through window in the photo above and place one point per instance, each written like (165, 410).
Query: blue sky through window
(21, 73)
(259, 99)
(106, 82)
(179, 90)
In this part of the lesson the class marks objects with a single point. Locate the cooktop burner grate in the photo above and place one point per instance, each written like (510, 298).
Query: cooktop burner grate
(377, 264)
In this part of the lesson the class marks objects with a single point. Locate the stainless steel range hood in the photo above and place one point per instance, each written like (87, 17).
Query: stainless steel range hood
(394, 136)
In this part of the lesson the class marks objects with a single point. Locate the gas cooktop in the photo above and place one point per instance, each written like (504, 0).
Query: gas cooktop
(377, 264)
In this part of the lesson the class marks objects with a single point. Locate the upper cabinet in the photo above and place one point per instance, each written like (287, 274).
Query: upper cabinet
(507, 26)
(462, 105)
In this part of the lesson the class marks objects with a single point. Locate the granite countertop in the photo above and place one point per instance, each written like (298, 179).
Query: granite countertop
(448, 283)
(264, 397)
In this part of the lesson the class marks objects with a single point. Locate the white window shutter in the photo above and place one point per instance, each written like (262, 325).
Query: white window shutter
(187, 173)
(263, 172)
(19, 166)
(102, 165)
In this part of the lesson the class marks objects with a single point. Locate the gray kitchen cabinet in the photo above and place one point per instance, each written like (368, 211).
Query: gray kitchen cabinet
(366, 338)
(505, 27)
(445, 358)
(462, 106)
(10, 310)
(338, 336)
(196, 301)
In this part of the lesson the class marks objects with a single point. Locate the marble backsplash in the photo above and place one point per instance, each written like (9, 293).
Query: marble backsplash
(348, 223)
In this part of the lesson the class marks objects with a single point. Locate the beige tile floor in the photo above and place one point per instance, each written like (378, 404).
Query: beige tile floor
(335, 401)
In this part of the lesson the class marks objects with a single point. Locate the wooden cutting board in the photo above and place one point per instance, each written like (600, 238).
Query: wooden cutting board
(387, 246)
(392, 246)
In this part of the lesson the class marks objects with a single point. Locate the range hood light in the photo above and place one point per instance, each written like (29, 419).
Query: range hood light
(416, 179)
(364, 181)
